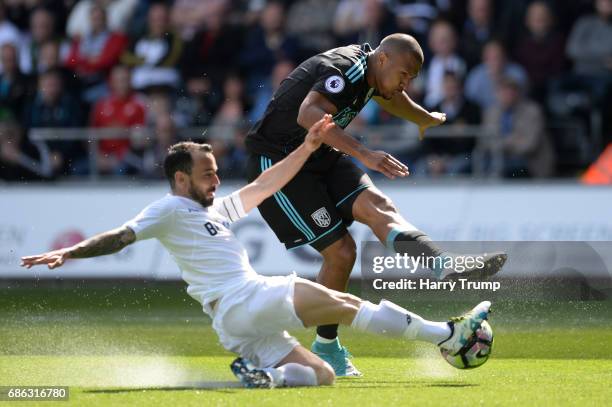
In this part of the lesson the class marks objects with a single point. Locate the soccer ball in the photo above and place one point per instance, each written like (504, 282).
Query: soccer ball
(476, 352)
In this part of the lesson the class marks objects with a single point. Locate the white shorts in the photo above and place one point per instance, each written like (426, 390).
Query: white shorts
(252, 322)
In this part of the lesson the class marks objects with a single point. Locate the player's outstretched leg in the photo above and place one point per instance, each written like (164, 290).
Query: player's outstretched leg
(318, 305)
(315, 305)
(377, 211)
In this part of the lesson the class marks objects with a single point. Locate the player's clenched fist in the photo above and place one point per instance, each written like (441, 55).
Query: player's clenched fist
(317, 131)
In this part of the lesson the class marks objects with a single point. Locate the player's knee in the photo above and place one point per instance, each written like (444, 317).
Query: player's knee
(325, 374)
(378, 204)
(345, 306)
(347, 312)
(354, 300)
(347, 253)
(383, 203)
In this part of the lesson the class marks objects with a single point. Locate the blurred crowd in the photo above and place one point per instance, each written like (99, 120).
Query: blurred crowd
(163, 67)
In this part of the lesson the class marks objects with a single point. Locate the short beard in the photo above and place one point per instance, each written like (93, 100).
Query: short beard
(196, 196)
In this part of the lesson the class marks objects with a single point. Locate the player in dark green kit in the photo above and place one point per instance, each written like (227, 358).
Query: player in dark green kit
(330, 191)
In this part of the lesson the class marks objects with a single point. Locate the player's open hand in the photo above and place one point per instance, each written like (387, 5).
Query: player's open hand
(52, 259)
(317, 132)
(384, 162)
(435, 119)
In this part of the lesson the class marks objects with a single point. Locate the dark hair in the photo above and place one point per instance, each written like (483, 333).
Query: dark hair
(179, 158)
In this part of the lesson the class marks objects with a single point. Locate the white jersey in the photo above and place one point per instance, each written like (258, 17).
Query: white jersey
(212, 260)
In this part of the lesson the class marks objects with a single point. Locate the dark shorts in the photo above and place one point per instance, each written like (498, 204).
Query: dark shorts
(315, 207)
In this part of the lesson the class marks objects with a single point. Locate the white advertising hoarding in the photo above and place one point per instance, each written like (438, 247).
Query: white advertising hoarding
(39, 218)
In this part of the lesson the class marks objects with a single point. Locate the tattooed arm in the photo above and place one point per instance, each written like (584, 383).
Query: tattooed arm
(98, 245)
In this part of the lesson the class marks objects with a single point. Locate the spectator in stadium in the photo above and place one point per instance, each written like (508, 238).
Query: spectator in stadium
(146, 154)
(20, 12)
(458, 110)
(590, 48)
(348, 18)
(264, 94)
(442, 41)
(14, 85)
(590, 42)
(312, 21)
(155, 55)
(52, 107)
(415, 17)
(9, 33)
(196, 105)
(454, 11)
(235, 156)
(233, 109)
(378, 21)
(481, 83)
(211, 51)
(266, 44)
(520, 128)
(121, 109)
(540, 50)
(49, 58)
(450, 155)
(92, 56)
(190, 16)
(119, 13)
(477, 30)
(42, 30)
(21, 160)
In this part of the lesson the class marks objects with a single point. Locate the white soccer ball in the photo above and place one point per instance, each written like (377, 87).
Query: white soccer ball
(475, 352)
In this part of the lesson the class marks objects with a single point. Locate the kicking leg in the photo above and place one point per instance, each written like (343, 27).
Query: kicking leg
(376, 210)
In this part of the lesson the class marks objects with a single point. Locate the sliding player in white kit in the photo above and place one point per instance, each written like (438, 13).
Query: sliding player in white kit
(250, 312)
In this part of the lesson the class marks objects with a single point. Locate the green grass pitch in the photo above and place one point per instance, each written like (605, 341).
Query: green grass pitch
(152, 346)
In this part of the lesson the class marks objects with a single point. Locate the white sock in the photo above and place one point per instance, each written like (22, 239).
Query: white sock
(392, 320)
(321, 339)
(294, 375)
(433, 332)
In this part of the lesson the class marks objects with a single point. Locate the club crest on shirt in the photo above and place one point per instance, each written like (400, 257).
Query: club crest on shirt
(345, 117)
(321, 217)
(334, 84)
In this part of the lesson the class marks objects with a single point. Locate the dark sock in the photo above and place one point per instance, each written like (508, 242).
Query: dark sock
(415, 243)
(327, 331)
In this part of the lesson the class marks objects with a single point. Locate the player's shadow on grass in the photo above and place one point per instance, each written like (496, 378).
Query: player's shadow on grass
(221, 387)
(405, 383)
(229, 387)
